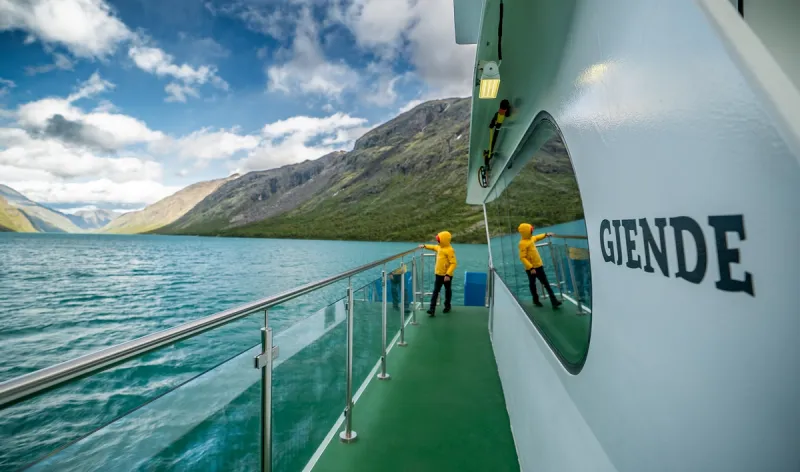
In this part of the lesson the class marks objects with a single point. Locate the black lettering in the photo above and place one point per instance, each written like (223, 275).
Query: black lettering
(619, 243)
(630, 244)
(607, 256)
(681, 224)
(650, 247)
(727, 256)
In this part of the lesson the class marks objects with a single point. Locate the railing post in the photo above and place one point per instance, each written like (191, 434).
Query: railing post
(414, 291)
(402, 342)
(383, 375)
(422, 277)
(555, 267)
(574, 280)
(348, 435)
(264, 361)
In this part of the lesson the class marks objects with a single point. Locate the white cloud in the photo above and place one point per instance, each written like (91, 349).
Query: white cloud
(88, 28)
(156, 61)
(207, 144)
(135, 192)
(177, 92)
(379, 24)
(59, 118)
(60, 61)
(300, 138)
(60, 161)
(93, 86)
(307, 69)
(5, 86)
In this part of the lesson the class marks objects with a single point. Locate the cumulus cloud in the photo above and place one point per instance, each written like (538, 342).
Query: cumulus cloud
(300, 138)
(207, 144)
(158, 62)
(88, 28)
(308, 70)
(60, 161)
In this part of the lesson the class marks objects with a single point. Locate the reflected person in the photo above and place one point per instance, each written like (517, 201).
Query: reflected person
(445, 268)
(532, 261)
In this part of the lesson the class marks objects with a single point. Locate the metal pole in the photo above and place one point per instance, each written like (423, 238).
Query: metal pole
(348, 435)
(555, 267)
(574, 281)
(422, 277)
(402, 342)
(264, 362)
(383, 375)
(414, 291)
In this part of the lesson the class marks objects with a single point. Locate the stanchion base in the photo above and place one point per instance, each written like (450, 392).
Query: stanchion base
(402, 343)
(348, 439)
(384, 376)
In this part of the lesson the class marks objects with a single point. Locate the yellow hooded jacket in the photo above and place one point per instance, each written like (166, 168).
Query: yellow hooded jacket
(528, 253)
(445, 255)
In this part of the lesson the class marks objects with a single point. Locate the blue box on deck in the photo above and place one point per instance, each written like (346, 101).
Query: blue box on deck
(475, 289)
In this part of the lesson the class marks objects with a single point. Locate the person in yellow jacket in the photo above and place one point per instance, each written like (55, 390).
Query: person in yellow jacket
(445, 268)
(532, 261)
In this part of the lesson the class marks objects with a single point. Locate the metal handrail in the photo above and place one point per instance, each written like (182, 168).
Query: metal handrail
(569, 236)
(25, 386)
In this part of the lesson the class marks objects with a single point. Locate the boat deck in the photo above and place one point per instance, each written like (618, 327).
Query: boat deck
(443, 408)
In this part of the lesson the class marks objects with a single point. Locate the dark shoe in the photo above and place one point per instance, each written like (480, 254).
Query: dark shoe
(446, 309)
(537, 303)
(557, 303)
(431, 313)
(396, 307)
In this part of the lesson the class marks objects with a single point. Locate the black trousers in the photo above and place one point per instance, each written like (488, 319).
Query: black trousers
(540, 274)
(448, 291)
(396, 281)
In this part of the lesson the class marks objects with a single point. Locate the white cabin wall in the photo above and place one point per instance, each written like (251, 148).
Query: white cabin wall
(549, 431)
(661, 120)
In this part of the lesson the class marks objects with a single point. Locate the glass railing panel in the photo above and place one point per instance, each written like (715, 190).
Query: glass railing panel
(367, 328)
(46, 423)
(308, 392)
(209, 423)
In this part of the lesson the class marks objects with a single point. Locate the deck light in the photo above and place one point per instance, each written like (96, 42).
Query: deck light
(490, 81)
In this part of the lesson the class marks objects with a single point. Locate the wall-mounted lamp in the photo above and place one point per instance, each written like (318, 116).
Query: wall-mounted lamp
(490, 80)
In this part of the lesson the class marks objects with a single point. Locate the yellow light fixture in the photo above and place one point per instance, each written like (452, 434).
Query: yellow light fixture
(490, 81)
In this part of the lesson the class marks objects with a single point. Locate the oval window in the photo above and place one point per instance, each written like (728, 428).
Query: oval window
(539, 244)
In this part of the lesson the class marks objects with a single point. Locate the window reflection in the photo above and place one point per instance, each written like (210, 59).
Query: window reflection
(543, 197)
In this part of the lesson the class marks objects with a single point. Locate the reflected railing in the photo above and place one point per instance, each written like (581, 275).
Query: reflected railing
(569, 255)
(233, 391)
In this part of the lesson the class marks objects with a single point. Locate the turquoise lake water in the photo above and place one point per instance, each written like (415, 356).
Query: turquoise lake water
(62, 296)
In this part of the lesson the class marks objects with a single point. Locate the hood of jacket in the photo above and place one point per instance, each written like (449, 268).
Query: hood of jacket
(525, 230)
(444, 238)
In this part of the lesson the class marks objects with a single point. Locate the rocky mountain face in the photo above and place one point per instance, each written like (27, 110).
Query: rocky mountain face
(256, 196)
(164, 211)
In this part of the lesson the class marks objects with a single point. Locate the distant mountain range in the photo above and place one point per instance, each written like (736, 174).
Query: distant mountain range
(403, 181)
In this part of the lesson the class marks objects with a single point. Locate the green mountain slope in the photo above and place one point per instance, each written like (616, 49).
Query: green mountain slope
(43, 219)
(164, 211)
(403, 181)
(11, 219)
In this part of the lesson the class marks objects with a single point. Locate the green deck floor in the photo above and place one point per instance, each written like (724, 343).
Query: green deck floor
(442, 410)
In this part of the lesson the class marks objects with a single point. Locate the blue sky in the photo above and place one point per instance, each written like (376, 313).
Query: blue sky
(116, 104)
